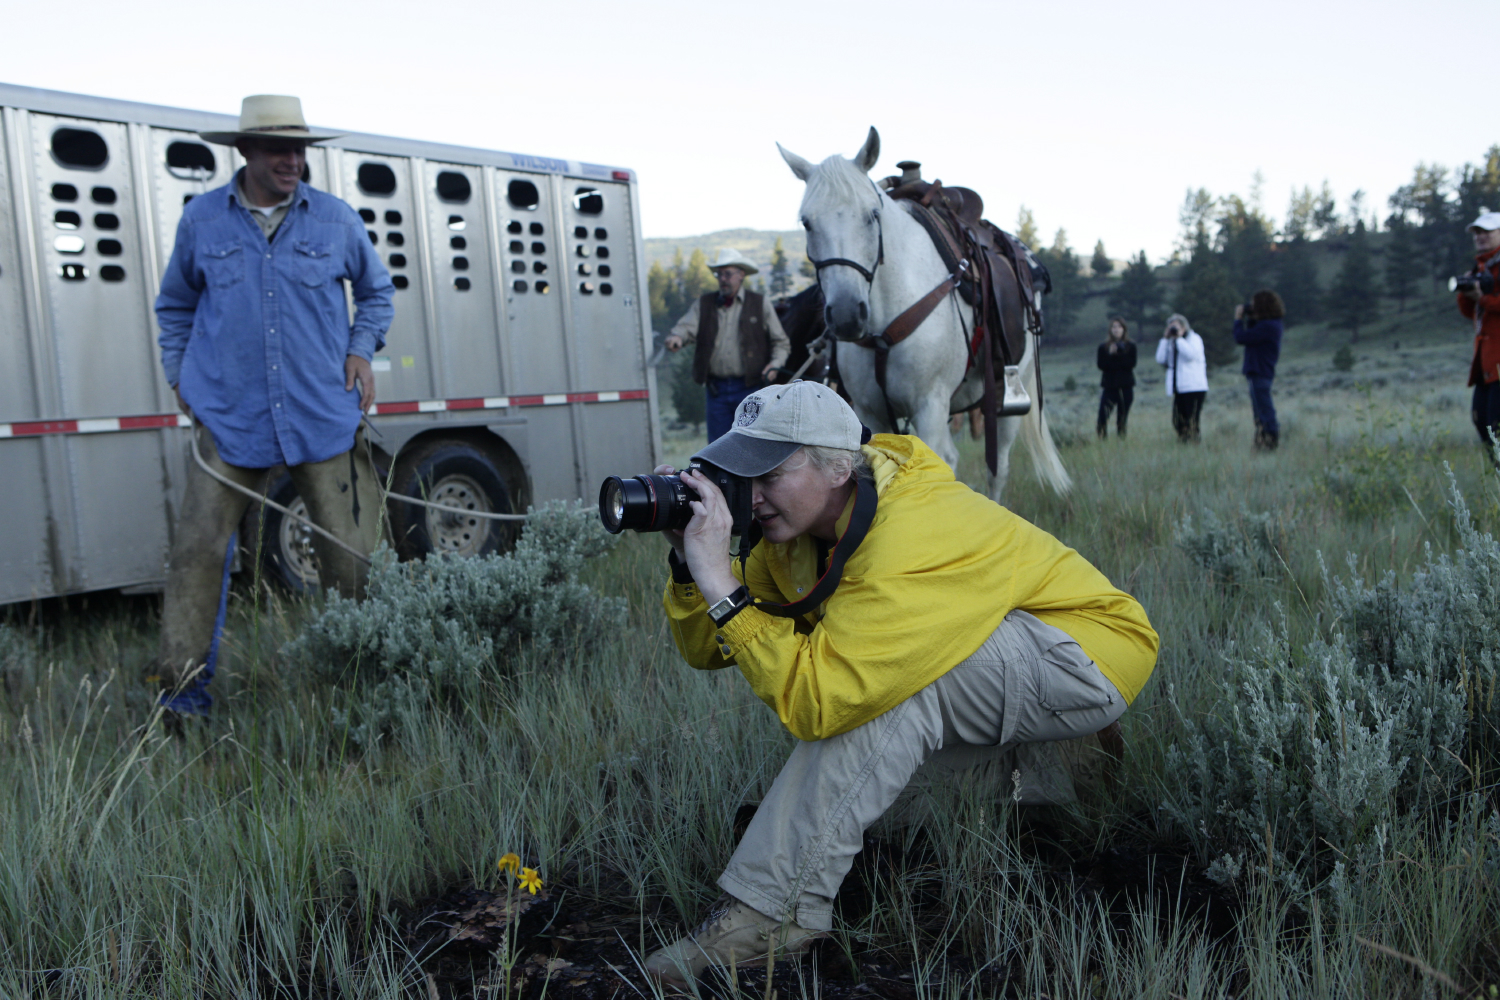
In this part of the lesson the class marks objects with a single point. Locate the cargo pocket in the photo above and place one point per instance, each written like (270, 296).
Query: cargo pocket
(314, 262)
(1070, 682)
(224, 264)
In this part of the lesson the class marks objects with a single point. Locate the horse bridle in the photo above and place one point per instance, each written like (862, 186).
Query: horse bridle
(868, 272)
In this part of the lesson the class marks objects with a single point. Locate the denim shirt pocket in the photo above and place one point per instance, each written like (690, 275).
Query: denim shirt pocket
(313, 262)
(224, 264)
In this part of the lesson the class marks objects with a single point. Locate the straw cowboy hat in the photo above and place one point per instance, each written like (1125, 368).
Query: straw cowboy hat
(270, 116)
(733, 258)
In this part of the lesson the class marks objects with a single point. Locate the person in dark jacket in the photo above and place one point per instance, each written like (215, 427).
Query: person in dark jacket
(1260, 331)
(1117, 362)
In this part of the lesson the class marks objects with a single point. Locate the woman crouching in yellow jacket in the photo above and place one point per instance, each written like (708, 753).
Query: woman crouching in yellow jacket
(893, 618)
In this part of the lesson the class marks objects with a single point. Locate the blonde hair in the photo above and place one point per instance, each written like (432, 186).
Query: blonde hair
(839, 461)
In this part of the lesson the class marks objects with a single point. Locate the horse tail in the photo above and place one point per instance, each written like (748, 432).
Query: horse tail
(1036, 433)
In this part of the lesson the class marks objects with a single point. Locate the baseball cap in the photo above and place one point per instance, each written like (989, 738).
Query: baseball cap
(771, 423)
(1487, 220)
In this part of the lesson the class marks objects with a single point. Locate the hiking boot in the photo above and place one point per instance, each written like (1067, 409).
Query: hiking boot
(732, 932)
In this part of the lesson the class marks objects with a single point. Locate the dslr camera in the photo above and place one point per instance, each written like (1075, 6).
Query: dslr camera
(1480, 279)
(660, 503)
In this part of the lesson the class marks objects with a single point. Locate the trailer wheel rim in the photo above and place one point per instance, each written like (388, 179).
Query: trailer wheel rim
(458, 532)
(296, 544)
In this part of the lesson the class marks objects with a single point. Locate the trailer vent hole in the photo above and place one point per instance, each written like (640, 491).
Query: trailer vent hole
(581, 232)
(588, 201)
(376, 178)
(81, 149)
(64, 192)
(606, 289)
(395, 239)
(519, 286)
(586, 287)
(190, 161)
(542, 288)
(523, 194)
(540, 267)
(514, 227)
(460, 263)
(106, 220)
(393, 218)
(112, 272)
(538, 248)
(66, 219)
(456, 223)
(400, 280)
(373, 237)
(68, 244)
(103, 195)
(462, 284)
(398, 260)
(536, 229)
(585, 270)
(601, 233)
(458, 243)
(110, 248)
(187, 198)
(516, 246)
(73, 272)
(368, 216)
(518, 267)
(603, 270)
(453, 186)
(603, 253)
(583, 251)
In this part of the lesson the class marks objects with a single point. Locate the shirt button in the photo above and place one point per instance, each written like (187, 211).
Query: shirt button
(726, 650)
(270, 295)
(719, 638)
(274, 367)
(273, 329)
(278, 406)
(268, 256)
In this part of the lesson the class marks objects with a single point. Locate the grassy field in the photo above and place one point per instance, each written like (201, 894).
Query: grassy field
(267, 854)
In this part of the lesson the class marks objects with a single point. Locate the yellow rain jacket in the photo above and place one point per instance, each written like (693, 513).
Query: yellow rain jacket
(939, 569)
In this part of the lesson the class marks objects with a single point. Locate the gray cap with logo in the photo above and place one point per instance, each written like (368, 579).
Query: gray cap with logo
(772, 423)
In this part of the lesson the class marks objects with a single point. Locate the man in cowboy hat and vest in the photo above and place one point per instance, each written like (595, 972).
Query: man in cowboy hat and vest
(739, 340)
(257, 342)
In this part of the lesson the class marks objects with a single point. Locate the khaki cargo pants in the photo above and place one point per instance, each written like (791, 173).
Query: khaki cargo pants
(342, 496)
(1004, 709)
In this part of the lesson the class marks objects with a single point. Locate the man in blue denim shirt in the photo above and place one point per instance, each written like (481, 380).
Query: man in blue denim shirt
(257, 342)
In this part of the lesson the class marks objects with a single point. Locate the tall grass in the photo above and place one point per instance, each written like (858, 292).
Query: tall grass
(266, 854)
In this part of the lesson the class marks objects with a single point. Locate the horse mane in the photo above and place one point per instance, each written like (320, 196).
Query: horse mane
(837, 179)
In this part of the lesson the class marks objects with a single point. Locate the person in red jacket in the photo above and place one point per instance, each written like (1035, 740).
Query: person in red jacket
(1484, 309)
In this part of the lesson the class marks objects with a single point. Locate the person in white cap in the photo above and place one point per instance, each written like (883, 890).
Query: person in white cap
(257, 343)
(902, 626)
(738, 337)
(1483, 307)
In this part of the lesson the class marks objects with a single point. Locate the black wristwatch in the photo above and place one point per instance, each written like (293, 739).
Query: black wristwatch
(723, 610)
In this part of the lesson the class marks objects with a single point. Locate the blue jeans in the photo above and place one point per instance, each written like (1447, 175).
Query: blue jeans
(724, 394)
(1260, 402)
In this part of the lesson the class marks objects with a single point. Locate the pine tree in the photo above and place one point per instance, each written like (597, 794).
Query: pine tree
(697, 279)
(1064, 268)
(1352, 299)
(1101, 265)
(1026, 228)
(658, 283)
(781, 273)
(807, 270)
(1207, 299)
(1297, 281)
(1139, 294)
(1403, 261)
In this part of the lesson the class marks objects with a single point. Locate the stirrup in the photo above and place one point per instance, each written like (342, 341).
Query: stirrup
(1014, 400)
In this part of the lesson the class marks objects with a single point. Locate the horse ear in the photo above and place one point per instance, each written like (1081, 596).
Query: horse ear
(799, 166)
(869, 152)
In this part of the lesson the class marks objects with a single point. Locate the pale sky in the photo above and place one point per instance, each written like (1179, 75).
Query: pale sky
(1098, 116)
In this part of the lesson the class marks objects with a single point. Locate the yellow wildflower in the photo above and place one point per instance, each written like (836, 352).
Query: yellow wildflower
(509, 863)
(530, 880)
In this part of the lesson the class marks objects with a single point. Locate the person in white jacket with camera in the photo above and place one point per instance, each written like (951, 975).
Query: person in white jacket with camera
(1180, 352)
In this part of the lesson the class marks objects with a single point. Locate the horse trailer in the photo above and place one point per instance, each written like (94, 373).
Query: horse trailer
(515, 370)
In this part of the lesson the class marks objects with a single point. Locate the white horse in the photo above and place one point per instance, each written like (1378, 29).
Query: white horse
(883, 262)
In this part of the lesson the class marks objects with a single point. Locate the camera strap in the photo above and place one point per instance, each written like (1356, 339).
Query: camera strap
(865, 498)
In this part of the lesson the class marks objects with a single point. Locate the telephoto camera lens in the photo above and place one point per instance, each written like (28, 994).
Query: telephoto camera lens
(645, 503)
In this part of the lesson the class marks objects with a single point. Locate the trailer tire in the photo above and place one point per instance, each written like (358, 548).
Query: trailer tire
(458, 473)
(286, 548)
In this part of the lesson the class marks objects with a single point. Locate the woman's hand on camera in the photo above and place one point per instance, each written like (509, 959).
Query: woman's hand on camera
(1239, 311)
(705, 540)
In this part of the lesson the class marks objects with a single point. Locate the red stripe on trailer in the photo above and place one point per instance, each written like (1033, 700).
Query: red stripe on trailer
(156, 421)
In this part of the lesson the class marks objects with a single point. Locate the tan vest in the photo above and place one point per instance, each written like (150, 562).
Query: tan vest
(755, 340)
